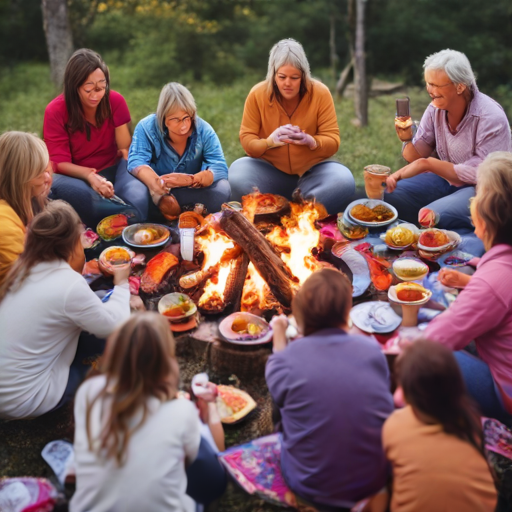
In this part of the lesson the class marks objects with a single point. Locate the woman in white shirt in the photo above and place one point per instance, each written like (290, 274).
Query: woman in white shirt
(133, 437)
(45, 304)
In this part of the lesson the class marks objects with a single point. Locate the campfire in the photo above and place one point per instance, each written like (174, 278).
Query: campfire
(256, 259)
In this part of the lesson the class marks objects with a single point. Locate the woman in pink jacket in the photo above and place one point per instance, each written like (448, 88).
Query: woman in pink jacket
(483, 310)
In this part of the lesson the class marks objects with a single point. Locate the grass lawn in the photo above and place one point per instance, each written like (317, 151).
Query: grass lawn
(26, 89)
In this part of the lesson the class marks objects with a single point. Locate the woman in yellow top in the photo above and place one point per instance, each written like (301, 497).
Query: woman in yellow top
(25, 179)
(289, 130)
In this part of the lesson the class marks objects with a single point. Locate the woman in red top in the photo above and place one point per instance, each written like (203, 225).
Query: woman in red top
(86, 130)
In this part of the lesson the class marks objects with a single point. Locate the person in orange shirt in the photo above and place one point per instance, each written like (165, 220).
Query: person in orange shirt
(289, 130)
(25, 180)
(435, 442)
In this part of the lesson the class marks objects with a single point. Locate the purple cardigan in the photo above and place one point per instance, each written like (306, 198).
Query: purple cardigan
(333, 392)
(483, 130)
(483, 312)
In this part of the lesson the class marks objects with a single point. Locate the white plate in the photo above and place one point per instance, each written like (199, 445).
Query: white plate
(454, 237)
(226, 332)
(392, 296)
(371, 203)
(173, 299)
(375, 317)
(406, 225)
(129, 232)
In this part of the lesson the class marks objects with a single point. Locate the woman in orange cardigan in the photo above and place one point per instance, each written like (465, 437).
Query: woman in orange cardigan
(289, 130)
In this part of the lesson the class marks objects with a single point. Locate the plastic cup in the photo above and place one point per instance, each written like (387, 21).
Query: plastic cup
(375, 180)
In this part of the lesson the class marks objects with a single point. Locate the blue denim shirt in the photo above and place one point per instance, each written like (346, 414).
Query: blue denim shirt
(151, 147)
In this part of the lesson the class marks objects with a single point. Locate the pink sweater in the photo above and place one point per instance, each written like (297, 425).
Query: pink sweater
(483, 312)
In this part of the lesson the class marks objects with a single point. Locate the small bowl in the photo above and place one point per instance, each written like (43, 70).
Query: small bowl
(454, 237)
(231, 336)
(405, 225)
(160, 233)
(392, 296)
(176, 299)
(401, 265)
(115, 256)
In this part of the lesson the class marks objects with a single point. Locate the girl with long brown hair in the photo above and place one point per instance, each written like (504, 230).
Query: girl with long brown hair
(45, 304)
(133, 436)
(25, 179)
(87, 132)
(435, 442)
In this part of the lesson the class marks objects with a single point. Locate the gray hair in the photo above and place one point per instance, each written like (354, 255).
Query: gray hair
(288, 52)
(455, 64)
(174, 96)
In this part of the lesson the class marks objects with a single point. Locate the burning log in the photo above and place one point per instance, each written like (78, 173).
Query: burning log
(267, 262)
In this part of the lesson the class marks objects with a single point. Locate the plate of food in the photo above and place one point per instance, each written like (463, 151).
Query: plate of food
(438, 240)
(176, 306)
(146, 236)
(410, 269)
(115, 256)
(245, 329)
(350, 230)
(401, 237)
(111, 227)
(412, 294)
(233, 404)
(371, 212)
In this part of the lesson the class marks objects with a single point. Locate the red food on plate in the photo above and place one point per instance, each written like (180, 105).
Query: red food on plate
(434, 238)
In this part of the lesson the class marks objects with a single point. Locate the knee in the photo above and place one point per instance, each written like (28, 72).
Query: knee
(239, 170)
(223, 190)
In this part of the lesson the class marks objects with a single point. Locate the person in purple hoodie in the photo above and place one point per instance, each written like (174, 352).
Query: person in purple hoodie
(483, 310)
(333, 393)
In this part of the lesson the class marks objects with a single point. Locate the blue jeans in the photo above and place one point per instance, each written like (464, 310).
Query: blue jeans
(481, 386)
(434, 192)
(330, 183)
(90, 206)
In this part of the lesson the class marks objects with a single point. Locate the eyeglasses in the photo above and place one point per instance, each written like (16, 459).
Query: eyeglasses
(98, 86)
(434, 86)
(177, 121)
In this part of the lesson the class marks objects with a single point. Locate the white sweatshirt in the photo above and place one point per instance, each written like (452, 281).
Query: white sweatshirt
(153, 476)
(39, 328)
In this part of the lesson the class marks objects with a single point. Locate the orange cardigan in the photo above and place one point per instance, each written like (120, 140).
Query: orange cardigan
(315, 115)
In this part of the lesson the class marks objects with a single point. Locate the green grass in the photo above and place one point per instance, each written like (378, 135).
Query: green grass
(26, 90)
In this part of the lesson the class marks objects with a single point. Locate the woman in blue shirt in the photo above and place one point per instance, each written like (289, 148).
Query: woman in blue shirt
(175, 150)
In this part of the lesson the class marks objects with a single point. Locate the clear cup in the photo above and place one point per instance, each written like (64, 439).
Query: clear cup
(375, 180)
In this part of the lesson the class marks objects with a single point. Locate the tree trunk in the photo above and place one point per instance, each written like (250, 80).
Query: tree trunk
(360, 87)
(343, 80)
(59, 39)
(332, 44)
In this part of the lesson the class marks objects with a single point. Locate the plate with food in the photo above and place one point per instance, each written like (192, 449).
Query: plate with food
(371, 212)
(176, 306)
(115, 256)
(401, 237)
(146, 236)
(112, 227)
(412, 294)
(438, 240)
(410, 269)
(233, 404)
(245, 329)
(350, 230)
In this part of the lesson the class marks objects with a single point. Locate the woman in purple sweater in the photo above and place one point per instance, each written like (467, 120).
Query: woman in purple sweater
(332, 390)
(483, 310)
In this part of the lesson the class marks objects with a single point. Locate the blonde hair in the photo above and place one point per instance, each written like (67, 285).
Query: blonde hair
(288, 52)
(52, 235)
(493, 195)
(23, 157)
(139, 363)
(174, 96)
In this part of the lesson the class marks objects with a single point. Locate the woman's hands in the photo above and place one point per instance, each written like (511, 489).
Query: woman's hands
(203, 179)
(453, 278)
(121, 274)
(279, 136)
(177, 180)
(302, 139)
(100, 184)
(279, 325)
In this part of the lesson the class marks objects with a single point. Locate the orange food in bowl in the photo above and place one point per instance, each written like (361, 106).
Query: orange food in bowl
(410, 292)
(434, 238)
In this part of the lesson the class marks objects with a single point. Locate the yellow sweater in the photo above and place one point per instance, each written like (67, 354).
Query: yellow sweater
(315, 115)
(434, 471)
(12, 238)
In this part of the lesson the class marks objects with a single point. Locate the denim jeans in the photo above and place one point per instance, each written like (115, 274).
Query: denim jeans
(330, 183)
(481, 386)
(90, 206)
(434, 192)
